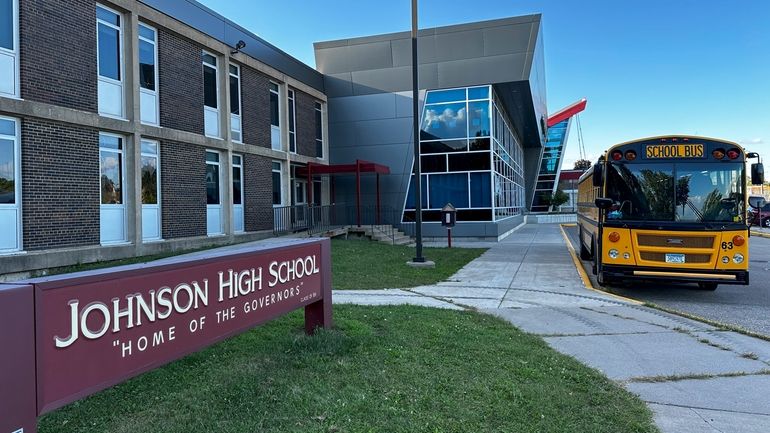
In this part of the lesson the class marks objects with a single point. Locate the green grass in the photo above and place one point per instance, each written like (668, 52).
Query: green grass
(361, 264)
(383, 369)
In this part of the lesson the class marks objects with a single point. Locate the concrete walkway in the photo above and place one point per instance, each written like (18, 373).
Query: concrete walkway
(693, 376)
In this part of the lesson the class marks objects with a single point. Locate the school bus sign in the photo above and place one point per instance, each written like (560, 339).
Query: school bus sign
(68, 336)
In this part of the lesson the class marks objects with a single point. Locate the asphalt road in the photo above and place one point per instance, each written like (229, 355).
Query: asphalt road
(744, 306)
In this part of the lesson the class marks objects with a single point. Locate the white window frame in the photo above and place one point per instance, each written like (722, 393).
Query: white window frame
(122, 66)
(157, 193)
(14, 53)
(219, 164)
(292, 126)
(276, 140)
(242, 205)
(154, 93)
(236, 119)
(218, 110)
(319, 107)
(17, 205)
(280, 175)
(122, 205)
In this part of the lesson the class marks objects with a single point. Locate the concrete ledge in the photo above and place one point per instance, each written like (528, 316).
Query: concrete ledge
(26, 264)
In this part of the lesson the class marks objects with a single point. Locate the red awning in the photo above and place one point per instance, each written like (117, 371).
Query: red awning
(567, 112)
(359, 167)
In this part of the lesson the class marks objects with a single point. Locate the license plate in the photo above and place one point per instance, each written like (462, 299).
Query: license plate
(674, 258)
(674, 151)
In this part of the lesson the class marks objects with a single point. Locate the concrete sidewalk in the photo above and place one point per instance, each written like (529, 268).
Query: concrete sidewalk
(693, 376)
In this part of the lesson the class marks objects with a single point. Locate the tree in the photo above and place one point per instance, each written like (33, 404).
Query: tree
(582, 164)
(557, 199)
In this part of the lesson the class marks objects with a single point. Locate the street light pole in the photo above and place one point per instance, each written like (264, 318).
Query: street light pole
(416, 133)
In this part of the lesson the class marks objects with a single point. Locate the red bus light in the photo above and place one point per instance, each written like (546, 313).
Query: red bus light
(733, 153)
(718, 153)
(614, 237)
(630, 155)
(617, 155)
(738, 240)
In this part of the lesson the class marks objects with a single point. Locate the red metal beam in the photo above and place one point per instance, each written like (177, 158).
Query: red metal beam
(358, 167)
(567, 112)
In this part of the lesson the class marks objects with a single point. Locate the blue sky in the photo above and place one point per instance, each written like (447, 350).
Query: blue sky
(647, 68)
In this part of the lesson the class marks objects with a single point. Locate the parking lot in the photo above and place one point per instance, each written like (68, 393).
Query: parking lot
(744, 306)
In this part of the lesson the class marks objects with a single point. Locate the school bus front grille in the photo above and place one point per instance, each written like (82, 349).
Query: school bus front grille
(688, 258)
(675, 241)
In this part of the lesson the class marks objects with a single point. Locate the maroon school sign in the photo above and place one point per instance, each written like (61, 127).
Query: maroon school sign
(68, 336)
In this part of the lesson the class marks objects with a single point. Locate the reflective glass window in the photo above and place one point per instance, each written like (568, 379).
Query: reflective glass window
(479, 143)
(6, 24)
(209, 86)
(481, 190)
(469, 161)
(274, 114)
(235, 95)
(110, 141)
(478, 93)
(474, 215)
(146, 65)
(107, 16)
(237, 192)
(442, 121)
(109, 52)
(448, 188)
(149, 147)
(433, 163)
(146, 32)
(410, 203)
(276, 187)
(212, 157)
(292, 120)
(443, 146)
(149, 179)
(7, 127)
(452, 95)
(478, 124)
(111, 166)
(212, 184)
(7, 171)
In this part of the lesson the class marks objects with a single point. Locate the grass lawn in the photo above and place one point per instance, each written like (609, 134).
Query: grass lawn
(383, 369)
(362, 264)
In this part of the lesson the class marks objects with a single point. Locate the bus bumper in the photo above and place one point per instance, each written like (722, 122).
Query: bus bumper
(680, 276)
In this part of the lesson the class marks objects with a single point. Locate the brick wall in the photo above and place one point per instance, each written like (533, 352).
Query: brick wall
(258, 193)
(183, 190)
(255, 103)
(60, 185)
(305, 123)
(58, 52)
(181, 83)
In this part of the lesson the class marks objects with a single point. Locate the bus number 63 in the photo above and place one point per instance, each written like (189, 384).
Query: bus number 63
(727, 245)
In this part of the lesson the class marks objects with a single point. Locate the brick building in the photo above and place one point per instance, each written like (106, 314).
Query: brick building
(136, 127)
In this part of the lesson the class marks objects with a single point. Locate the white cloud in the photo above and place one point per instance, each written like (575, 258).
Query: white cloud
(752, 141)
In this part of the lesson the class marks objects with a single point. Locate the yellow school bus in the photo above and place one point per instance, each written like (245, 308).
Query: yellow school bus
(668, 208)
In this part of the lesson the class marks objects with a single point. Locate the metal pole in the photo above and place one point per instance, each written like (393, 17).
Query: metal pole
(416, 132)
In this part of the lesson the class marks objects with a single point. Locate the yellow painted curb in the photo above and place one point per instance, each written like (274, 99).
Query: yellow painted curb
(584, 275)
(760, 234)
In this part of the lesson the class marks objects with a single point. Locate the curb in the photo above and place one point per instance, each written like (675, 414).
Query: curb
(583, 275)
(760, 234)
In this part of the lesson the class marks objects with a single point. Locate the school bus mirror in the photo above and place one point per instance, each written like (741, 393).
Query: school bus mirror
(597, 175)
(757, 173)
(603, 203)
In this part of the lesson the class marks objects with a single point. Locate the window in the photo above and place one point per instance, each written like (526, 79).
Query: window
(148, 74)
(214, 224)
(319, 137)
(9, 48)
(235, 103)
(112, 220)
(109, 40)
(317, 192)
(10, 186)
(275, 117)
(150, 172)
(238, 216)
(277, 184)
(292, 124)
(210, 95)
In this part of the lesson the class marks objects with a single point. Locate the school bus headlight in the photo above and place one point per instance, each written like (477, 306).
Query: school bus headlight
(738, 258)
(613, 253)
(626, 256)
(725, 260)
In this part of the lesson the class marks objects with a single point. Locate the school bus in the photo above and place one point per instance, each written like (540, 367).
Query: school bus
(668, 208)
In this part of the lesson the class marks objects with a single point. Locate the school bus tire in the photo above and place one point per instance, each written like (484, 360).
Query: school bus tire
(710, 287)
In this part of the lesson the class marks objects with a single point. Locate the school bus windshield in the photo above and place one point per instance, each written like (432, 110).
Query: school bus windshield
(687, 191)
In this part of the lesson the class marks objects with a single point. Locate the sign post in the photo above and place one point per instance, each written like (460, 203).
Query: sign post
(72, 335)
(448, 220)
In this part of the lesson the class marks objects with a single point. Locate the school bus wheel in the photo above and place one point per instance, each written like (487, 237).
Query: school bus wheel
(708, 286)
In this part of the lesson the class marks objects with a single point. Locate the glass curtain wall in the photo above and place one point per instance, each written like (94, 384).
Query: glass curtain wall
(549, 165)
(469, 157)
